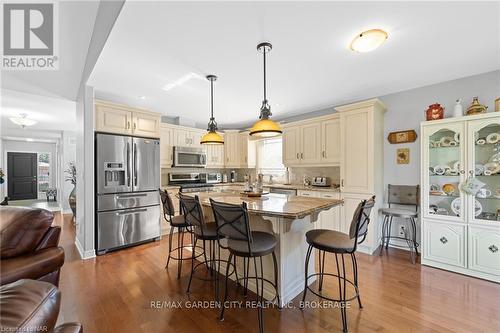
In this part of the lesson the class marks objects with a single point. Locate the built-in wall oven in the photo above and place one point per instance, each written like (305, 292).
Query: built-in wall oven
(190, 157)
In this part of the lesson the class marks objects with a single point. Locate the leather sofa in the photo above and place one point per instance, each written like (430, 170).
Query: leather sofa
(29, 245)
(32, 306)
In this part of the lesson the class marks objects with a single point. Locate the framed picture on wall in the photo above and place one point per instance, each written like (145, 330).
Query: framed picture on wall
(403, 156)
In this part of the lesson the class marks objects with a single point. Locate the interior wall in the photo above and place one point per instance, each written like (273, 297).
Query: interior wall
(405, 110)
(68, 155)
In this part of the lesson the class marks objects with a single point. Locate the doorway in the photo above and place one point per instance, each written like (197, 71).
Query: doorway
(22, 175)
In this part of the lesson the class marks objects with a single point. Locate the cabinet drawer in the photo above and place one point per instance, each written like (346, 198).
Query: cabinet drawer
(444, 243)
(305, 193)
(330, 195)
(484, 249)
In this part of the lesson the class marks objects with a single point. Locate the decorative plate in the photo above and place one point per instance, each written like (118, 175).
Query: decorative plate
(434, 188)
(493, 138)
(441, 169)
(455, 207)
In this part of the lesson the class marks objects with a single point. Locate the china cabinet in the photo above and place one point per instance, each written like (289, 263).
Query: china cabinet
(461, 194)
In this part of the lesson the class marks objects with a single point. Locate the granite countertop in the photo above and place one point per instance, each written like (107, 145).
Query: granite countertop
(284, 186)
(273, 204)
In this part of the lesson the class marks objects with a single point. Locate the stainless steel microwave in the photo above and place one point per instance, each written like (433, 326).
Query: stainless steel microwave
(189, 157)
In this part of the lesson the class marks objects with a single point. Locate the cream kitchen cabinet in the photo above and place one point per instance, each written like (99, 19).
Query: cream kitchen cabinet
(484, 249)
(314, 142)
(330, 141)
(166, 145)
(247, 151)
(120, 119)
(215, 156)
(231, 149)
(327, 219)
(187, 137)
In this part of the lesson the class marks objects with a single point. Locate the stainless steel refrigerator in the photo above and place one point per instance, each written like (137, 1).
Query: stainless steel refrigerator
(127, 200)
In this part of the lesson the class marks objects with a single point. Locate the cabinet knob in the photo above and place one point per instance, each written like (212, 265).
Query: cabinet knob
(298, 156)
(135, 126)
(443, 240)
(128, 124)
(302, 155)
(493, 248)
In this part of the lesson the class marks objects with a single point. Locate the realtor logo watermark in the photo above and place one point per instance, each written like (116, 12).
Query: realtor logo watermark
(30, 36)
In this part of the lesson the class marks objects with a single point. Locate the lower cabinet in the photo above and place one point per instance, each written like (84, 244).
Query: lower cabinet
(484, 249)
(444, 242)
(327, 219)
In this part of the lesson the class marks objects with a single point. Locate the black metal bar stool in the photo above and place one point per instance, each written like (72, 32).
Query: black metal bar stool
(206, 232)
(176, 222)
(233, 224)
(339, 244)
(401, 195)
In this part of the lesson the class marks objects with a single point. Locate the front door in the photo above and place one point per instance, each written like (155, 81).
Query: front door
(22, 176)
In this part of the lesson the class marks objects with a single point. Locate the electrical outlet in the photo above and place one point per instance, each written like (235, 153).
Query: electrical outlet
(401, 231)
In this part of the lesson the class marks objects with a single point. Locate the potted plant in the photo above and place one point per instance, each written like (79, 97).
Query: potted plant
(71, 177)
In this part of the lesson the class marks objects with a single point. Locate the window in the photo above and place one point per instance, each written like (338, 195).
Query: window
(43, 172)
(269, 157)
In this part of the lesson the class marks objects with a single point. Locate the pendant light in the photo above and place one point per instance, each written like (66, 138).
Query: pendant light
(265, 127)
(212, 137)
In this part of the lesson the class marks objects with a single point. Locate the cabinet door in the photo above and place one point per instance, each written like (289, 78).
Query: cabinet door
(330, 219)
(444, 242)
(195, 138)
(310, 152)
(247, 151)
(166, 146)
(330, 140)
(351, 202)
(113, 120)
(145, 124)
(443, 159)
(357, 160)
(484, 249)
(181, 137)
(231, 144)
(291, 146)
(483, 157)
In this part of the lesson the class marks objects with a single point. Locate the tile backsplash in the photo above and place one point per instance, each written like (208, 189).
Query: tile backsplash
(297, 174)
(240, 172)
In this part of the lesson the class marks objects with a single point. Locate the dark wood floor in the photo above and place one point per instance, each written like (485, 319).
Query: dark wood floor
(113, 293)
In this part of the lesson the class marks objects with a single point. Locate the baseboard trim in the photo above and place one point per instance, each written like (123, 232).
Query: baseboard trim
(84, 254)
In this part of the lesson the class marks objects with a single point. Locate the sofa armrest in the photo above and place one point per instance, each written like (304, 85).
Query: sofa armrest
(50, 239)
(31, 266)
(69, 328)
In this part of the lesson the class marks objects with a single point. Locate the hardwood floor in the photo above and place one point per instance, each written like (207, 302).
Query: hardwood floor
(113, 293)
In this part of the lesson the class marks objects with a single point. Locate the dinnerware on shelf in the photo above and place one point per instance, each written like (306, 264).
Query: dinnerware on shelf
(449, 189)
(497, 193)
(455, 207)
(442, 211)
(484, 193)
(456, 137)
(453, 143)
(431, 171)
(446, 141)
(487, 173)
(493, 138)
(493, 167)
(479, 169)
(441, 169)
(481, 141)
(434, 188)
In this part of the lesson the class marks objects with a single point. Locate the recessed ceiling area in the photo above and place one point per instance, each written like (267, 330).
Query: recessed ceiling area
(158, 54)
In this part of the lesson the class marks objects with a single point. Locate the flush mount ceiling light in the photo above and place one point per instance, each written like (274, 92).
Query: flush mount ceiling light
(23, 121)
(368, 40)
(212, 137)
(265, 127)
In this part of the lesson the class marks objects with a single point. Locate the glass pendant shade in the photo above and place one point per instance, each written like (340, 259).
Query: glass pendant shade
(212, 137)
(265, 127)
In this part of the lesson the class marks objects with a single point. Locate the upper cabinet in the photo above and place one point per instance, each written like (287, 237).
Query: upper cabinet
(315, 142)
(215, 156)
(361, 146)
(187, 137)
(231, 149)
(247, 151)
(119, 119)
(166, 145)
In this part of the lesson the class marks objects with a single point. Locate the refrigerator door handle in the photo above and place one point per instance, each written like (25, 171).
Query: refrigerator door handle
(130, 212)
(128, 164)
(135, 164)
(128, 196)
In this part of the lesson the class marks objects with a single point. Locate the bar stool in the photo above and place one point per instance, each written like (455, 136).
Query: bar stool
(233, 224)
(339, 244)
(401, 195)
(206, 232)
(176, 222)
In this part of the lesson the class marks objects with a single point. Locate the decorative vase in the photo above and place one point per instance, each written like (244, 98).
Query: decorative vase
(434, 112)
(476, 107)
(72, 202)
(458, 110)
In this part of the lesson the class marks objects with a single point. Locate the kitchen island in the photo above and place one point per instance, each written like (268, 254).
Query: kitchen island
(288, 218)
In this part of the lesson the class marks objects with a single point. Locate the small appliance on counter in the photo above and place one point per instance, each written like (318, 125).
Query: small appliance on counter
(194, 181)
(321, 182)
(234, 176)
(224, 178)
